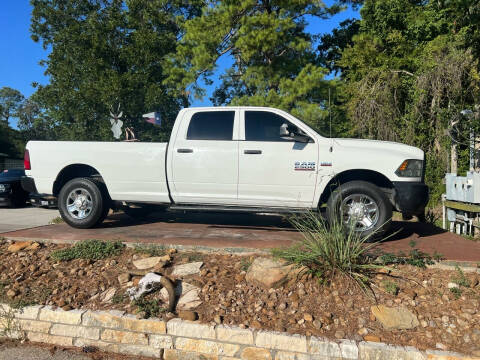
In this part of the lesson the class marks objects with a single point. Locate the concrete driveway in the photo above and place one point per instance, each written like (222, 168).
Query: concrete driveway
(25, 218)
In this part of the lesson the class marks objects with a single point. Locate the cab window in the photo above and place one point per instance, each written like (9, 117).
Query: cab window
(211, 125)
(265, 126)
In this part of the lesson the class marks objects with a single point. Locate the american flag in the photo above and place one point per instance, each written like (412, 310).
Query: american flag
(153, 118)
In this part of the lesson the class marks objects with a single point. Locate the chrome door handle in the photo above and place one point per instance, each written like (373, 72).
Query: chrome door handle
(252, 151)
(185, 150)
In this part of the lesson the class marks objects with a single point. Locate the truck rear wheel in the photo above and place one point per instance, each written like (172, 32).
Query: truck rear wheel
(83, 203)
(361, 206)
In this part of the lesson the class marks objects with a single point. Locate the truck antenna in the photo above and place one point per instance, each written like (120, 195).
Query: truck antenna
(330, 116)
(330, 110)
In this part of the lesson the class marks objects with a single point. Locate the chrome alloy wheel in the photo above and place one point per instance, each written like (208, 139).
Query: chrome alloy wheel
(360, 211)
(79, 203)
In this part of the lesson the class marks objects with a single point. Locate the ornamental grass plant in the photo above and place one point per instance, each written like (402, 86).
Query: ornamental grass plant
(331, 249)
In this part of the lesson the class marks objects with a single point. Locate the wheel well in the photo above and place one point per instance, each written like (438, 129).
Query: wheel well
(74, 171)
(371, 176)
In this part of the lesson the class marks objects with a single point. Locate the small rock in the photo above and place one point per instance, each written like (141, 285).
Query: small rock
(440, 346)
(339, 334)
(188, 295)
(469, 311)
(301, 321)
(317, 324)
(362, 331)
(256, 324)
(395, 318)
(452, 285)
(147, 263)
(123, 278)
(33, 246)
(269, 273)
(218, 319)
(187, 269)
(17, 246)
(361, 322)
(308, 317)
(66, 308)
(141, 315)
(11, 293)
(373, 338)
(423, 323)
(188, 315)
(108, 294)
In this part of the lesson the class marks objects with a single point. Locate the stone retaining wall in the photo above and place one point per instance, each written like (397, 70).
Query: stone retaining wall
(176, 339)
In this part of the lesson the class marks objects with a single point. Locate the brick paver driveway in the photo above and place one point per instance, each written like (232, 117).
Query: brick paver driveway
(242, 231)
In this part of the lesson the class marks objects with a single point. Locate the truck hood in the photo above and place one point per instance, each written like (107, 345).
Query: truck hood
(388, 148)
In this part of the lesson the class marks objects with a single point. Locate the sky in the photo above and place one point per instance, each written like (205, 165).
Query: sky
(20, 55)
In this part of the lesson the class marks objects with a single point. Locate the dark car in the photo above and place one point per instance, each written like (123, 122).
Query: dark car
(11, 191)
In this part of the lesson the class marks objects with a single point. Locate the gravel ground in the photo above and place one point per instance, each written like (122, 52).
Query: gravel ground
(304, 306)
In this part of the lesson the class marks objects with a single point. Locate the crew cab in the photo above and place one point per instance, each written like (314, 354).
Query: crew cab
(248, 159)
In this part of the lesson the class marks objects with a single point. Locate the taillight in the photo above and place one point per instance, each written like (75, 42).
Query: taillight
(26, 161)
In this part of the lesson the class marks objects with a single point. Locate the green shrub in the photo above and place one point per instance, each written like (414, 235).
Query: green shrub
(151, 249)
(457, 292)
(391, 287)
(415, 258)
(461, 279)
(245, 263)
(89, 249)
(57, 220)
(151, 308)
(330, 249)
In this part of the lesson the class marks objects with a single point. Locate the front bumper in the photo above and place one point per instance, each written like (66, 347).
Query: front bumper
(410, 197)
(5, 200)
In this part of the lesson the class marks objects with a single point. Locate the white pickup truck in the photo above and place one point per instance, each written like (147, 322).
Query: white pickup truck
(247, 159)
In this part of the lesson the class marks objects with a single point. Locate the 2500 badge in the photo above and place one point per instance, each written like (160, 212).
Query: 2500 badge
(304, 165)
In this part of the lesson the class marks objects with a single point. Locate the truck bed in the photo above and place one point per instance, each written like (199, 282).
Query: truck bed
(131, 170)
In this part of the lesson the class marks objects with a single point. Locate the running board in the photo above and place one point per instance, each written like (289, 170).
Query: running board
(241, 209)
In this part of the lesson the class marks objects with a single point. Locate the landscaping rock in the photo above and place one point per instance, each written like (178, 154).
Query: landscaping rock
(17, 246)
(123, 278)
(187, 269)
(372, 338)
(147, 263)
(395, 317)
(33, 246)
(270, 273)
(452, 285)
(188, 315)
(186, 293)
(108, 294)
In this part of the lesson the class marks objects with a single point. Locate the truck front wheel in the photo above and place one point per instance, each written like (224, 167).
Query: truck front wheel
(82, 203)
(362, 206)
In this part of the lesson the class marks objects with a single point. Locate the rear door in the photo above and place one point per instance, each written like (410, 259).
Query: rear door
(205, 158)
(274, 171)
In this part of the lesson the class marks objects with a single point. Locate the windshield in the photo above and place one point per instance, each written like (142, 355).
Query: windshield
(12, 173)
(320, 129)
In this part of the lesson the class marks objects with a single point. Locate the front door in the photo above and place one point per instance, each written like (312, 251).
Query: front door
(205, 158)
(274, 170)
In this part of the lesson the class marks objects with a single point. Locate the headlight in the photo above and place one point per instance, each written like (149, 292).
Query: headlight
(4, 187)
(410, 168)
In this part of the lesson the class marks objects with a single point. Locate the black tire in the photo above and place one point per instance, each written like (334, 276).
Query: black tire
(352, 188)
(19, 202)
(98, 198)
